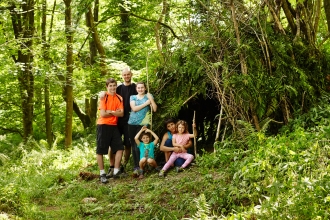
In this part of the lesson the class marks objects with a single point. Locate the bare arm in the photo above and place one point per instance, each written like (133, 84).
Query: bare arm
(153, 103)
(188, 145)
(195, 131)
(165, 148)
(154, 135)
(139, 107)
(174, 143)
(136, 138)
(109, 113)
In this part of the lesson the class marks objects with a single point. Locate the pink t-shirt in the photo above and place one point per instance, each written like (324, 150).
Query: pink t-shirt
(181, 139)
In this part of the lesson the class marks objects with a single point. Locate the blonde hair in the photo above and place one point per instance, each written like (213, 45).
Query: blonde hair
(185, 125)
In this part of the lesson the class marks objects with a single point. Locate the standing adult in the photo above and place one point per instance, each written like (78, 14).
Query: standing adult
(111, 107)
(140, 116)
(125, 90)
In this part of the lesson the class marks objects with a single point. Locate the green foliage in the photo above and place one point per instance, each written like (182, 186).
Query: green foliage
(282, 177)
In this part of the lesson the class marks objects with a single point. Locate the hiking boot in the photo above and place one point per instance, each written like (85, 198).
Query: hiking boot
(103, 178)
(110, 173)
(178, 169)
(161, 173)
(119, 175)
(136, 172)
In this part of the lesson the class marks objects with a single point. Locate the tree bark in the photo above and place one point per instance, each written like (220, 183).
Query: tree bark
(276, 20)
(49, 129)
(289, 16)
(69, 74)
(124, 32)
(326, 4)
(157, 27)
(97, 41)
(23, 26)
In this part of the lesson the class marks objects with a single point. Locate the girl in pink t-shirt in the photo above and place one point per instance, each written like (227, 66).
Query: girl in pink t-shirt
(179, 139)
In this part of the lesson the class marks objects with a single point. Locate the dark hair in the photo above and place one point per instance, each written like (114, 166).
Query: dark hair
(169, 120)
(145, 133)
(110, 80)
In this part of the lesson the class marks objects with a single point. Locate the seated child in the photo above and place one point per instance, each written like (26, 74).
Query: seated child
(179, 139)
(146, 148)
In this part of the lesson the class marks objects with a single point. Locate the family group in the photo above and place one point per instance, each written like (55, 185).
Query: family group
(125, 111)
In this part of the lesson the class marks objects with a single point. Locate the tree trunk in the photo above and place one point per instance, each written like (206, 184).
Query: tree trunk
(69, 72)
(124, 32)
(45, 48)
(326, 4)
(91, 102)
(97, 41)
(23, 26)
(161, 39)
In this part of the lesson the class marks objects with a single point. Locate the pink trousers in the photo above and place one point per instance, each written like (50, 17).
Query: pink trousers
(174, 156)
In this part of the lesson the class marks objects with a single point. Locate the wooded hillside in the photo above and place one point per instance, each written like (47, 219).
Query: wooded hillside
(261, 62)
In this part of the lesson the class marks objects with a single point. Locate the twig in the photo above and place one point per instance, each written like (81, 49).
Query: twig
(195, 147)
(189, 98)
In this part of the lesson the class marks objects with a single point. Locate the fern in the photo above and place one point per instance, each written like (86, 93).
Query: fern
(3, 158)
(203, 207)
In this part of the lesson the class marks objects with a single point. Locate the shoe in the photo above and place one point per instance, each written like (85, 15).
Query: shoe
(141, 176)
(161, 173)
(103, 178)
(136, 172)
(110, 173)
(119, 175)
(178, 169)
(122, 169)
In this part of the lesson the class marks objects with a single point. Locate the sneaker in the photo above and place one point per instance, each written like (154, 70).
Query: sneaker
(161, 173)
(136, 172)
(103, 178)
(178, 169)
(119, 175)
(122, 169)
(110, 173)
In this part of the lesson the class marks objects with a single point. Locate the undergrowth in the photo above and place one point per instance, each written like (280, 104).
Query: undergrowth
(277, 177)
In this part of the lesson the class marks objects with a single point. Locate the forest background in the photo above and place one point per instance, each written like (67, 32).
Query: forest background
(255, 73)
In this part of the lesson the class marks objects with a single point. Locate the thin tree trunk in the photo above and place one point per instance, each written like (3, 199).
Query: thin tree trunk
(69, 72)
(97, 41)
(326, 4)
(276, 19)
(45, 48)
(289, 16)
(317, 16)
(157, 28)
(23, 26)
(124, 31)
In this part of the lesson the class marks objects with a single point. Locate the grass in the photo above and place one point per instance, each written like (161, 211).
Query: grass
(278, 177)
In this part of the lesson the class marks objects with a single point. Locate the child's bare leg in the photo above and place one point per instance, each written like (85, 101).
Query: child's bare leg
(142, 163)
(152, 162)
